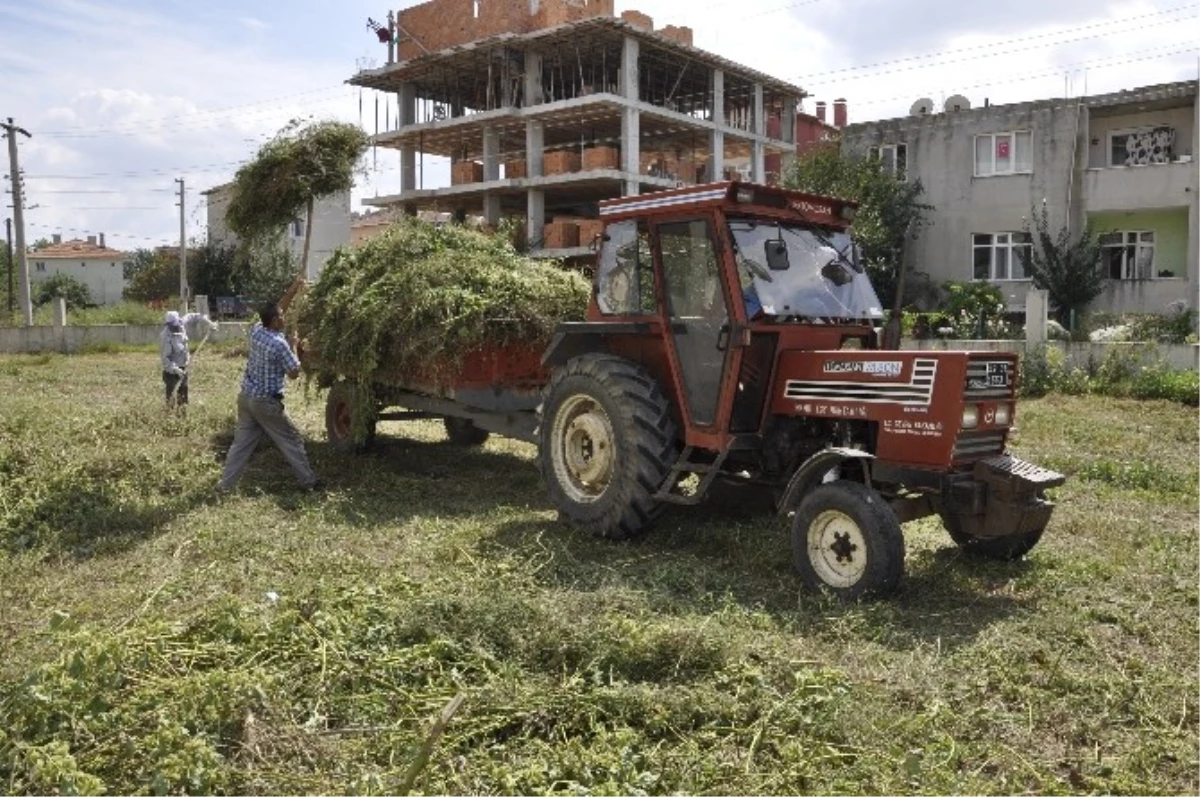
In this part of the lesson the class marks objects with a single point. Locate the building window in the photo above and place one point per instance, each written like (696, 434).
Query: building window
(40, 266)
(475, 5)
(298, 228)
(1141, 147)
(998, 256)
(1003, 153)
(1128, 254)
(894, 158)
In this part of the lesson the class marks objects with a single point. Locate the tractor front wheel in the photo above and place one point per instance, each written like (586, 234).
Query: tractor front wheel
(847, 541)
(341, 407)
(606, 444)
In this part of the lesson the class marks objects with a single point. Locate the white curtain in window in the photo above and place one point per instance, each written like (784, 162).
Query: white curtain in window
(1023, 146)
(983, 154)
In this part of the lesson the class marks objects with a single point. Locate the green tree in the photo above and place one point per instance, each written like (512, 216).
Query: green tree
(890, 211)
(217, 270)
(289, 173)
(1070, 271)
(61, 285)
(151, 276)
(268, 268)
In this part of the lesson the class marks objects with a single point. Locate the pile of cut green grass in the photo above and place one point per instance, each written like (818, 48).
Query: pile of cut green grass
(420, 297)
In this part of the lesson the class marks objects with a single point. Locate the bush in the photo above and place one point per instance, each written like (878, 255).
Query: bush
(1120, 375)
(64, 286)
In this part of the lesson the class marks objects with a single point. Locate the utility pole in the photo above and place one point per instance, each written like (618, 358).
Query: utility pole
(12, 267)
(19, 215)
(183, 285)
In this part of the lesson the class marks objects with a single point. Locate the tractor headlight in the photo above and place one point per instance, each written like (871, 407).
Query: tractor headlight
(1003, 414)
(970, 418)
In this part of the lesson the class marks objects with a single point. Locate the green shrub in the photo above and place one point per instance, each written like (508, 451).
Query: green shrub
(61, 286)
(1120, 375)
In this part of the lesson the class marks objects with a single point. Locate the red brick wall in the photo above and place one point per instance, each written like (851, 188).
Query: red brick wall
(683, 34)
(638, 19)
(438, 24)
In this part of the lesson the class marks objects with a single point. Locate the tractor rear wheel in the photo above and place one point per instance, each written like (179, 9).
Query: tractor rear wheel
(464, 432)
(847, 541)
(606, 443)
(1001, 549)
(341, 405)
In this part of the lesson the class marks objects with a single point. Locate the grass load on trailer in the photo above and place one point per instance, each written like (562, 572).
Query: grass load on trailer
(420, 298)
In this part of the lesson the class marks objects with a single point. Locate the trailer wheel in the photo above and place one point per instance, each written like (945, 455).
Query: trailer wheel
(464, 432)
(847, 541)
(340, 406)
(1001, 549)
(606, 443)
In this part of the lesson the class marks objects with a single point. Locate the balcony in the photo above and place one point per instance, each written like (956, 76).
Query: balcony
(1163, 185)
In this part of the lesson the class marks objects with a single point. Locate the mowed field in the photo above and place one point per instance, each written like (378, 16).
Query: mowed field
(159, 640)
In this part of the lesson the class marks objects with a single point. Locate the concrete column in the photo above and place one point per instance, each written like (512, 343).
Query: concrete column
(491, 154)
(1194, 209)
(535, 147)
(716, 144)
(760, 122)
(718, 96)
(629, 68)
(60, 312)
(406, 99)
(787, 132)
(631, 148)
(532, 89)
(758, 170)
(535, 215)
(491, 209)
(202, 305)
(1077, 207)
(716, 156)
(1036, 305)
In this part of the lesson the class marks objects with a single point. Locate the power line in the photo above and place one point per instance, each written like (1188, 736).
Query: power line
(1028, 76)
(996, 44)
(272, 102)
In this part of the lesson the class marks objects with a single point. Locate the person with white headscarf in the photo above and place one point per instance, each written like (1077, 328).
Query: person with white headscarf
(174, 354)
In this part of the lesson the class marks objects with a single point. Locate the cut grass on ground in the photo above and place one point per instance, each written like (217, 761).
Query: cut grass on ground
(157, 640)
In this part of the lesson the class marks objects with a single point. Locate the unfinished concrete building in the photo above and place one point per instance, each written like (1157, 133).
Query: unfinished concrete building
(546, 108)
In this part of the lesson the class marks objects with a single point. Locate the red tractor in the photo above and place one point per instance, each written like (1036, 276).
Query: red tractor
(733, 335)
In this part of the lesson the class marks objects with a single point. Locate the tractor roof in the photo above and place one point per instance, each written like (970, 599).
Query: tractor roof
(735, 197)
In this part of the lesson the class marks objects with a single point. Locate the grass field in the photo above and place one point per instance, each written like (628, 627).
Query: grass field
(157, 640)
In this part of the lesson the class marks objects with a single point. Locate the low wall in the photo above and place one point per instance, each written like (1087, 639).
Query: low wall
(69, 339)
(1180, 357)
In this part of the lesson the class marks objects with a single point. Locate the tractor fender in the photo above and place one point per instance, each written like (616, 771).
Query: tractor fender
(813, 470)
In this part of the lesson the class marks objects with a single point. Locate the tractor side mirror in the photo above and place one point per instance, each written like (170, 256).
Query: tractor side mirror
(777, 254)
(837, 273)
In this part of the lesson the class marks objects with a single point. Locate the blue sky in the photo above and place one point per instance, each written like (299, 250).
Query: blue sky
(124, 97)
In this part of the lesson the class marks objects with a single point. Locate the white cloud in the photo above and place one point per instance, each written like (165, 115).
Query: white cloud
(127, 100)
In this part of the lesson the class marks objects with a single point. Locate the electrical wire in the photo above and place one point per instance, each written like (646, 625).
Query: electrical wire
(936, 54)
(1008, 52)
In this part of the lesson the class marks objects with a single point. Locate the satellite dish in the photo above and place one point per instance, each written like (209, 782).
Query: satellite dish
(922, 107)
(957, 102)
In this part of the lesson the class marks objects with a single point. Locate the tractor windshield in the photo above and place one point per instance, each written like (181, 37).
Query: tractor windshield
(788, 270)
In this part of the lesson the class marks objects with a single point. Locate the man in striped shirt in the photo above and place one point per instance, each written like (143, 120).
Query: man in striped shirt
(260, 403)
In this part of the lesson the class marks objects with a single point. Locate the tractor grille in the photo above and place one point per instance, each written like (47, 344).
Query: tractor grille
(972, 445)
(989, 379)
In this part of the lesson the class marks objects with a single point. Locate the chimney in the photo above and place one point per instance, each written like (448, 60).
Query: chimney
(102, 246)
(92, 240)
(821, 110)
(839, 113)
(56, 238)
